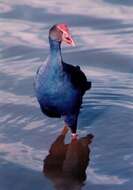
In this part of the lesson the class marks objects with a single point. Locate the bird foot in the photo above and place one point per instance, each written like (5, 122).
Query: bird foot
(74, 136)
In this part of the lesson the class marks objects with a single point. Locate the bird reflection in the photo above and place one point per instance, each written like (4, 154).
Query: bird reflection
(66, 164)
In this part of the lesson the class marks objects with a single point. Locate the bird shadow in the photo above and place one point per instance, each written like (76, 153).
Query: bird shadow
(66, 164)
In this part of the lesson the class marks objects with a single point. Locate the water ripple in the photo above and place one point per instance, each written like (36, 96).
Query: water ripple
(102, 30)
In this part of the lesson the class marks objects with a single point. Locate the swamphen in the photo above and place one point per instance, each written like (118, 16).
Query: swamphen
(60, 86)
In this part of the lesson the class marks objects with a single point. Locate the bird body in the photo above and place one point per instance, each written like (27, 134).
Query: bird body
(60, 86)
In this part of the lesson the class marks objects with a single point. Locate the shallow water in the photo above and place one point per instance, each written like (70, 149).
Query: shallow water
(103, 32)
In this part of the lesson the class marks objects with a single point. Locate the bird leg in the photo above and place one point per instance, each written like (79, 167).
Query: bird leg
(74, 135)
(71, 122)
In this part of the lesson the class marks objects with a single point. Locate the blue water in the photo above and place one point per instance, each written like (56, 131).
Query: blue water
(103, 33)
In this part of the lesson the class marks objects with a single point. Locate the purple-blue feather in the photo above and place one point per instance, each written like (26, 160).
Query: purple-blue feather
(60, 87)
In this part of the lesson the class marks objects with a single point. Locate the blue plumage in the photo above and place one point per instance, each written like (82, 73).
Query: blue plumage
(60, 86)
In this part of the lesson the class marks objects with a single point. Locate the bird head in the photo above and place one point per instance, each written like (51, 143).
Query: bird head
(61, 33)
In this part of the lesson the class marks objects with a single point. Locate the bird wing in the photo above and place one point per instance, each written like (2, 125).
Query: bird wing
(77, 77)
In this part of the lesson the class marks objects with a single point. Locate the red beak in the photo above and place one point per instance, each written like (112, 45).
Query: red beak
(68, 40)
(66, 37)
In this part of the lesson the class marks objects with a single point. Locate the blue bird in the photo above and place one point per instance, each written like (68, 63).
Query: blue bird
(60, 86)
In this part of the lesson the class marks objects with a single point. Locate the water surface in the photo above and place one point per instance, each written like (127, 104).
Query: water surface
(103, 32)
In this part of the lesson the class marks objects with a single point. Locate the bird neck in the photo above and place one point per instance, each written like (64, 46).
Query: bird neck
(55, 50)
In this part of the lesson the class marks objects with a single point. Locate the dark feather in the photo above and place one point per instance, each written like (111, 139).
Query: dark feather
(77, 77)
(50, 111)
